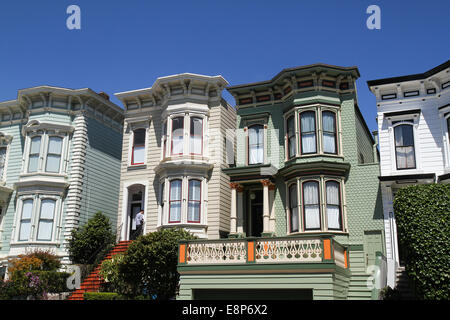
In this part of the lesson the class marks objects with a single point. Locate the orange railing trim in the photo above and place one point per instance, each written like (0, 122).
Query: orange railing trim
(182, 254)
(327, 249)
(251, 251)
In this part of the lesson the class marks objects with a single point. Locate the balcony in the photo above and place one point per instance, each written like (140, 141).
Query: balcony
(321, 252)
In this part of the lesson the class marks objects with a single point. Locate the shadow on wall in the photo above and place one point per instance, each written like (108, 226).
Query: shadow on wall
(378, 211)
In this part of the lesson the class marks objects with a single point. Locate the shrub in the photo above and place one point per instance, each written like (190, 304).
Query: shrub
(92, 240)
(101, 296)
(422, 216)
(149, 266)
(109, 270)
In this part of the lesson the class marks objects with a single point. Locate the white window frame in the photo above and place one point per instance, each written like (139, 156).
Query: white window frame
(444, 114)
(5, 142)
(248, 124)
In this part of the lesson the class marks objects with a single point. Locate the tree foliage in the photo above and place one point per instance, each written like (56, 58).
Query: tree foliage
(422, 216)
(149, 266)
(91, 240)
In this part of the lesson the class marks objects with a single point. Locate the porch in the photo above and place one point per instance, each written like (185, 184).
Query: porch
(314, 267)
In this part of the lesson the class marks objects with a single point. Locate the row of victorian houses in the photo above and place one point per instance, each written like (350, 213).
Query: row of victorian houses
(289, 193)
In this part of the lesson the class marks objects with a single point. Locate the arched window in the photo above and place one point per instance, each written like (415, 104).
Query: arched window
(404, 147)
(308, 132)
(293, 208)
(290, 135)
(54, 154)
(177, 135)
(138, 151)
(35, 149)
(256, 144)
(175, 201)
(311, 205)
(45, 227)
(333, 196)
(194, 200)
(196, 137)
(329, 132)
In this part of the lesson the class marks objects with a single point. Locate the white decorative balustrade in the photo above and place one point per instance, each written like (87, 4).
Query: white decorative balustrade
(217, 252)
(282, 250)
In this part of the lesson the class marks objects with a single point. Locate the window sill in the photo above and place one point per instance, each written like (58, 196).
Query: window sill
(319, 233)
(35, 243)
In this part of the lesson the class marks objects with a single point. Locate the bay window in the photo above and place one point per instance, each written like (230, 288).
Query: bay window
(290, 135)
(311, 205)
(54, 154)
(138, 149)
(333, 205)
(293, 208)
(45, 226)
(196, 136)
(194, 201)
(329, 132)
(35, 150)
(308, 132)
(404, 146)
(177, 135)
(175, 201)
(256, 144)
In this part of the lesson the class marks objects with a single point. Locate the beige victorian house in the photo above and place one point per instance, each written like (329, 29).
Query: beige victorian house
(176, 134)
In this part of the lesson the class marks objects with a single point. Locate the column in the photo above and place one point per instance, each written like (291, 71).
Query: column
(266, 208)
(233, 215)
(272, 207)
(240, 209)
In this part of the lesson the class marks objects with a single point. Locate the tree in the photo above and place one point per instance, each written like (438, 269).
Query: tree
(149, 266)
(91, 240)
(422, 216)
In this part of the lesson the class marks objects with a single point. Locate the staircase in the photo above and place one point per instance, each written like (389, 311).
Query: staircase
(94, 280)
(403, 285)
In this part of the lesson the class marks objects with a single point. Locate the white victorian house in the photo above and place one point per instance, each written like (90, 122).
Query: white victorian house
(413, 133)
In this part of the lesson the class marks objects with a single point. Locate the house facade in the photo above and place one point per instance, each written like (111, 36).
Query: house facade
(306, 216)
(413, 115)
(60, 155)
(174, 149)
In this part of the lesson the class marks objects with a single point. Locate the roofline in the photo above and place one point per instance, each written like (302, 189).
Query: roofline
(310, 66)
(411, 77)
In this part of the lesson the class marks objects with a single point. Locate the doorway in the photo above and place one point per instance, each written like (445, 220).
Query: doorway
(373, 242)
(135, 204)
(255, 213)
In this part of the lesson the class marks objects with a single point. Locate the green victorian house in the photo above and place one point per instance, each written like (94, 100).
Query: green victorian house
(306, 219)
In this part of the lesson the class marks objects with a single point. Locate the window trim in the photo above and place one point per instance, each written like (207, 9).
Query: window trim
(263, 144)
(30, 235)
(39, 219)
(199, 202)
(341, 218)
(288, 139)
(182, 135)
(399, 124)
(193, 135)
(293, 184)
(170, 200)
(334, 133)
(319, 205)
(139, 145)
(301, 133)
(48, 153)
(39, 157)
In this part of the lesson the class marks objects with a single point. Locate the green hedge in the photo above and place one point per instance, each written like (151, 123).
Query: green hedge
(110, 296)
(422, 216)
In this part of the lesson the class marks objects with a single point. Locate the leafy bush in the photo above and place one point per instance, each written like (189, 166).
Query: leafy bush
(101, 296)
(92, 240)
(109, 270)
(34, 274)
(422, 215)
(149, 266)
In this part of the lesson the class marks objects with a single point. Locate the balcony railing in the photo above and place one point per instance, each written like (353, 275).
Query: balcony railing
(298, 249)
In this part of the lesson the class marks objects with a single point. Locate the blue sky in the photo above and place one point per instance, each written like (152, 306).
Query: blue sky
(126, 45)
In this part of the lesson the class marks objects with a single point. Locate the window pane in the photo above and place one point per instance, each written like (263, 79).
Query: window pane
(53, 162)
(33, 163)
(175, 190)
(256, 144)
(311, 205)
(329, 132)
(177, 135)
(47, 209)
(196, 145)
(194, 211)
(293, 205)
(291, 136)
(404, 146)
(46, 219)
(175, 211)
(139, 137)
(333, 205)
(45, 230)
(25, 223)
(55, 145)
(308, 132)
(35, 145)
(138, 154)
(194, 190)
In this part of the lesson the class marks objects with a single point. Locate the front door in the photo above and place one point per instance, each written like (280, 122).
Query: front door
(373, 242)
(135, 208)
(255, 216)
